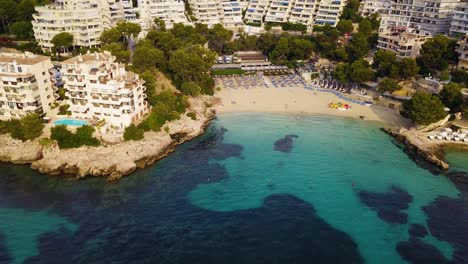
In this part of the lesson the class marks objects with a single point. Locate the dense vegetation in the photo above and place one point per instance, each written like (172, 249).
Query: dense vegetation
(67, 139)
(424, 108)
(26, 128)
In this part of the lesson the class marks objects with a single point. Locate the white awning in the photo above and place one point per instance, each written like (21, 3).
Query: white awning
(78, 108)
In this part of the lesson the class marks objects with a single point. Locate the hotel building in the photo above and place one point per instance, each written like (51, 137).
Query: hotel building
(428, 17)
(404, 43)
(99, 88)
(462, 50)
(369, 7)
(459, 26)
(170, 11)
(25, 85)
(84, 19)
(306, 12)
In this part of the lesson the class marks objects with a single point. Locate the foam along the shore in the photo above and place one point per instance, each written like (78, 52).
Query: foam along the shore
(300, 101)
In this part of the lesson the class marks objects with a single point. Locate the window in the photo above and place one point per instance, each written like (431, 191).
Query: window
(20, 69)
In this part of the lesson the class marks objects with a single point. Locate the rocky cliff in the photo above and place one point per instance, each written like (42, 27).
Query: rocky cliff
(112, 161)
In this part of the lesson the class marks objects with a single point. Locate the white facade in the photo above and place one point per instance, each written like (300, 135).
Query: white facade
(460, 20)
(208, 12)
(25, 85)
(306, 12)
(369, 7)
(329, 12)
(462, 50)
(404, 44)
(256, 10)
(84, 19)
(98, 88)
(430, 17)
(171, 11)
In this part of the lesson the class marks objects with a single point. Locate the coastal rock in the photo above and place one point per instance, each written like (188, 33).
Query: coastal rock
(18, 152)
(112, 161)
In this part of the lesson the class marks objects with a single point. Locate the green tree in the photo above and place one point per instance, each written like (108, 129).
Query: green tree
(190, 88)
(279, 55)
(424, 108)
(110, 36)
(192, 64)
(133, 133)
(22, 29)
(25, 10)
(452, 96)
(128, 29)
(350, 11)
(435, 54)
(341, 72)
(266, 43)
(31, 126)
(7, 13)
(365, 26)
(63, 41)
(147, 57)
(150, 84)
(345, 26)
(358, 47)
(300, 49)
(383, 62)
(360, 71)
(389, 85)
(67, 139)
(160, 24)
(218, 36)
(408, 68)
(341, 54)
(375, 21)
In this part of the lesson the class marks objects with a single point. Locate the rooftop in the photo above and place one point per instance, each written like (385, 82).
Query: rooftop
(27, 58)
(89, 58)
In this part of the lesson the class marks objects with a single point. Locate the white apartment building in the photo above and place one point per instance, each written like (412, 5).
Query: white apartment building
(404, 43)
(256, 11)
(25, 85)
(459, 25)
(279, 11)
(208, 12)
(429, 17)
(303, 12)
(99, 88)
(329, 12)
(462, 50)
(369, 7)
(84, 19)
(129, 11)
(306, 12)
(171, 11)
(225, 12)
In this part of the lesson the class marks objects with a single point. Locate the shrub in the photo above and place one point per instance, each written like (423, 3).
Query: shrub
(132, 132)
(66, 139)
(63, 110)
(31, 126)
(192, 115)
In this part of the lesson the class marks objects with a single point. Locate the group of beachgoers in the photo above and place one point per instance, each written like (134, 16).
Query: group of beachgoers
(287, 81)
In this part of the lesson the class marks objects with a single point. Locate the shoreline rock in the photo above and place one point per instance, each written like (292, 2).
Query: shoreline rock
(432, 153)
(112, 161)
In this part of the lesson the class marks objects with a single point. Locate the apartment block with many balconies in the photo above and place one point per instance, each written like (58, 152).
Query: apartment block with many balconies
(369, 7)
(329, 12)
(208, 12)
(428, 17)
(279, 11)
(256, 11)
(25, 84)
(304, 12)
(99, 88)
(170, 11)
(459, 25)
(84, 19)
(404, 43)
(462, 50)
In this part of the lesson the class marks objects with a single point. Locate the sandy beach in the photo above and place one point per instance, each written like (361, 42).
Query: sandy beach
(299, 101)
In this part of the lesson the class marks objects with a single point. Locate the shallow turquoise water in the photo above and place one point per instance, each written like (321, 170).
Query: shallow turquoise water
(338, 191)
(457, 159)
(71, 122)
(331, 160)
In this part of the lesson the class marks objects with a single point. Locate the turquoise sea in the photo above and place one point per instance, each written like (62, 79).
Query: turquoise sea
(253, 189)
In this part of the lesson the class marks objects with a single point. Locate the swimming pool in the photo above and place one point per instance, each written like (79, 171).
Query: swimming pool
(71, 122)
